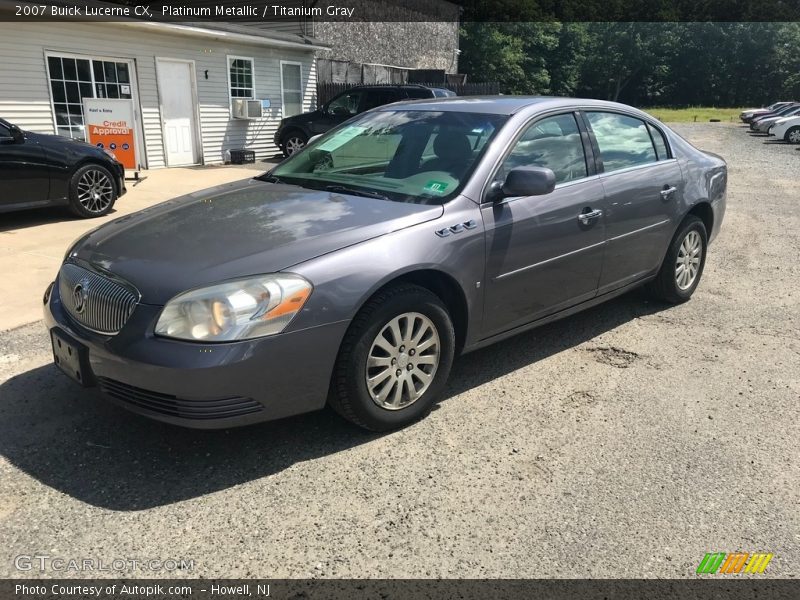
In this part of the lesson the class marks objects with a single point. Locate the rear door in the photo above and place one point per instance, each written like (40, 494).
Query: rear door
(644, 189)
(544, 253)
(24, 174)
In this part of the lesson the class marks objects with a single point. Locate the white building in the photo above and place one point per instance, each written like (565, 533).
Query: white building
(182, 81)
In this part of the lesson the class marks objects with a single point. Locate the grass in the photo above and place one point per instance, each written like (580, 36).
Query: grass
(700, 114)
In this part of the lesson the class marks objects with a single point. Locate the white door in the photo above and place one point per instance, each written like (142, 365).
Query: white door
(176, 90)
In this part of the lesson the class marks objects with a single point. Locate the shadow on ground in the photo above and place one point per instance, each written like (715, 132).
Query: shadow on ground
(15, 221)
(75, 442)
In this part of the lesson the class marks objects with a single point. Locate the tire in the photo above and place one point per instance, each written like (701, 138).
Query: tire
(671, 284)
(92, 192)
(792, 135)
(292, 142)
(350, 393)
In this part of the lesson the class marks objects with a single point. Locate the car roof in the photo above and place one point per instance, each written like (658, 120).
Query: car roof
(504, 105)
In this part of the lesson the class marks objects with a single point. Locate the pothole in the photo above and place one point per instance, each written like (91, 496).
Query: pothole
(614, 357)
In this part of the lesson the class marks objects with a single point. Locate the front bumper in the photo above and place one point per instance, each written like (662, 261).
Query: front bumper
(206, 386)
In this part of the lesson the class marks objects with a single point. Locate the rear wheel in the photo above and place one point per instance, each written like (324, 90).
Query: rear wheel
(92, 192)
(683, 265)
(793, 135)
(293, 142)
(394, 360)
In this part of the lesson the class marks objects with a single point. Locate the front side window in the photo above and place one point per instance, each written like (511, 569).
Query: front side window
(623, 141)
(346, 104)
(291, 89)
(554, 143)
(405, 155)
(240, 77)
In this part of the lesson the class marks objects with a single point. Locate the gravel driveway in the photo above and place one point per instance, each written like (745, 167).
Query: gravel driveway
(626, 441)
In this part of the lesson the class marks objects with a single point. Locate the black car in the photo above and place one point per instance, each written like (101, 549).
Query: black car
(294, 132)
(43, 170)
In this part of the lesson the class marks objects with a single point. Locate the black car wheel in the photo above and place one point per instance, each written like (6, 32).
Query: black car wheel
(92, 192)
(394, 360)
(683, 265)
(792, 135)
(292, 142)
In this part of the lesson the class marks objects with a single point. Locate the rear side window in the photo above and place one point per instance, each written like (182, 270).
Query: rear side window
(416, 93)
(659, 141)
(623, 141)
(373, 98)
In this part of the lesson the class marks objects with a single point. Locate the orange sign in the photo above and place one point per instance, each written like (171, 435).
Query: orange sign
(109, 125)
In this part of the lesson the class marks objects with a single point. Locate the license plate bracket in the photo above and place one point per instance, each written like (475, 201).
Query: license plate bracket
(72, 358)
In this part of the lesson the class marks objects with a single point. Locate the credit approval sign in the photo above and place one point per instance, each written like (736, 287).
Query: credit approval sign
(110, 125)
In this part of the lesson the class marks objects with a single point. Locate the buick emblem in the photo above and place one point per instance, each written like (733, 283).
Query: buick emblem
(80, 295)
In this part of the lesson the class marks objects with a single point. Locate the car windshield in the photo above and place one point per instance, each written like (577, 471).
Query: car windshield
(406, 155)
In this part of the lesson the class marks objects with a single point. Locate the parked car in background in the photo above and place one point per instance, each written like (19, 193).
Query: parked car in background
(787, 129)
(749, 115)
(784, 111)
(356, 270)
(763, 124)
(42, 170)
(294, 132)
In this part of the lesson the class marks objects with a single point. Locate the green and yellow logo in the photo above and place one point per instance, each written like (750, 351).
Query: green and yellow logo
(735, 562)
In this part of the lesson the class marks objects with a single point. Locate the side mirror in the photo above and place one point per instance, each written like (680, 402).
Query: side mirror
(529, 181)
(17, 136)
(313, 137)
(17, 133)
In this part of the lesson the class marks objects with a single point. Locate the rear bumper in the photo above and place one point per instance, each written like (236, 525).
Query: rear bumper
(204, 386)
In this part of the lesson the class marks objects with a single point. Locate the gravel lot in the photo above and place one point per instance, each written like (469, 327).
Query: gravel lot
(626, 441)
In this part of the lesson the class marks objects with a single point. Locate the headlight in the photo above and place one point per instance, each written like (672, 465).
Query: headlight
(110, 153)
(235, 310)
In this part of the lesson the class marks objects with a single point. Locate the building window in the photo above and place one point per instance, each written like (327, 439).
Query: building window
(291, 88)
(73, 79)
(240, 77)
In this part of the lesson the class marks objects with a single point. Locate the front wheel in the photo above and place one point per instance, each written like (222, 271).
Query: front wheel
(683, 265)
(92, 192)
(792, 135)
(293, 142)
(394, 360)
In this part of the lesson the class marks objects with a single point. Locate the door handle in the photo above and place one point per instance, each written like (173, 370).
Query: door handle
(667, 192)
(585, 217)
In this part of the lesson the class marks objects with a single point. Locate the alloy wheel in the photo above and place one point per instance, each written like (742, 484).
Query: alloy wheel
(294, 144)
(402, 361)
(95, 191)
(794, 136)
(687, 264)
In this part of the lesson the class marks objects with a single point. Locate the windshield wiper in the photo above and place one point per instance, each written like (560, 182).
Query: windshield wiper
(341, 189)
(269, 178)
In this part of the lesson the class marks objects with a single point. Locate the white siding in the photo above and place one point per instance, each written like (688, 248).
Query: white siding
(25, 94)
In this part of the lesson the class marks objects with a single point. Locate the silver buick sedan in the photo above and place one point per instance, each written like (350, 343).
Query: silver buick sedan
(354, 272)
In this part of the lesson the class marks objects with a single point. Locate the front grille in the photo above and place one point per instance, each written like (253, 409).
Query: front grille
(173, 406)
(94, 300)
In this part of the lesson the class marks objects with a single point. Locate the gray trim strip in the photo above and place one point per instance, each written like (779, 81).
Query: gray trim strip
(549, 260)
(624, 235)
(560, 256)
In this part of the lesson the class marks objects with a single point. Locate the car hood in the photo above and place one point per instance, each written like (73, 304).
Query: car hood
(235, 230)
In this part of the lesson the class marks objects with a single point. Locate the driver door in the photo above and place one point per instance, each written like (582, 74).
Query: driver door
(24, 176)
(544, 253)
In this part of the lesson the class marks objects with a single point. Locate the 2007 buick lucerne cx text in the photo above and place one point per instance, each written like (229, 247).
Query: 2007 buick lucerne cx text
(355, 271)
